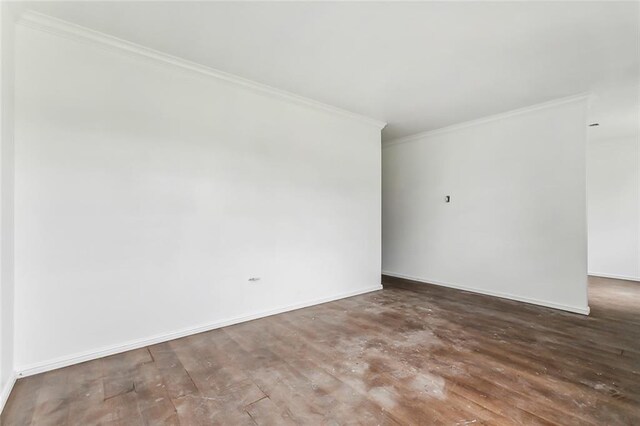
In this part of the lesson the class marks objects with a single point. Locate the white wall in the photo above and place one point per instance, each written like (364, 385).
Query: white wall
(146, 195)
(516, 224)
(6, 204)
(613, 171)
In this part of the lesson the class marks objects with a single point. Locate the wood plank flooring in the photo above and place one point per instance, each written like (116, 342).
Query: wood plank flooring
(411, 354)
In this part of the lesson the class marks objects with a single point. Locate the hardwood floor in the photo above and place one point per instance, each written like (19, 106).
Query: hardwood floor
(409, 354)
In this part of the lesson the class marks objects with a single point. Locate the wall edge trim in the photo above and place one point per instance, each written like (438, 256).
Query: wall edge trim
(531, 301)
(487, 119)
(64, 361)
(6, 390)
(46, 23)
(614, 276)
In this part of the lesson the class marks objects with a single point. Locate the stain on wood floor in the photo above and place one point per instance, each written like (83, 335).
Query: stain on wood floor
(411, 354)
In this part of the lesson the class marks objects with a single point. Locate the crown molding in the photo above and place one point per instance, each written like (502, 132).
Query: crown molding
(59, 27)
(490, 118)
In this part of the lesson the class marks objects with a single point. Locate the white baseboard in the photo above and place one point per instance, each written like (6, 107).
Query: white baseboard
(6, 390)
(616, 277)
(30, 370)
(575, 309)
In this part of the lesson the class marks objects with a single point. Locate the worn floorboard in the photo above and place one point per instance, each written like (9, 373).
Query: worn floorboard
(409, 354)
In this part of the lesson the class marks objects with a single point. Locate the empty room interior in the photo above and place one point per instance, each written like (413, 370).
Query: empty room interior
(320, 213)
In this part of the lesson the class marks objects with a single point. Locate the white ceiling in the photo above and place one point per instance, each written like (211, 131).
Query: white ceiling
(417, 66)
